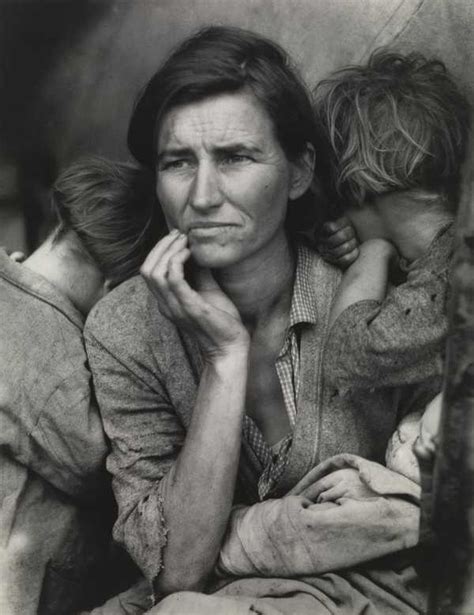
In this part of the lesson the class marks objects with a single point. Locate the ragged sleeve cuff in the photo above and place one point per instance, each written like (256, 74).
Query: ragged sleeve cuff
(143, 532)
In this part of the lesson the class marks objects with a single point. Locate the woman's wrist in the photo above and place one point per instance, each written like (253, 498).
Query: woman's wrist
(231, 355)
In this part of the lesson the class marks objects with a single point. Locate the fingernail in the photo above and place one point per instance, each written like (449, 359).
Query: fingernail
(175, 231)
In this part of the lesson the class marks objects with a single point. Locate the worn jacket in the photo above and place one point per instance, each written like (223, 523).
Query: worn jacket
(398, 340)
(146, 373)
(55, 501)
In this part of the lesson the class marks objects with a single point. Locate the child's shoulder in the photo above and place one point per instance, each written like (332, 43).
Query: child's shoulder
(438, 257)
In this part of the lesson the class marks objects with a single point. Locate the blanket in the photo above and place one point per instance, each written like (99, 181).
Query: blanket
(296, 557)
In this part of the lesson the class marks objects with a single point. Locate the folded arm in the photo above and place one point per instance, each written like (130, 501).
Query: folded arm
(294, 536)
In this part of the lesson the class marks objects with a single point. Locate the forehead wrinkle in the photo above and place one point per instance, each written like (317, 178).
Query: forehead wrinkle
(208, 125)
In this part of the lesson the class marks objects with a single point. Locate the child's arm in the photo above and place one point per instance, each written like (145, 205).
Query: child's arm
(366, 278)
(397, 339)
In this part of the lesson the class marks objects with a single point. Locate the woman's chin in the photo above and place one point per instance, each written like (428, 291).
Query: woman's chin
(212, 256)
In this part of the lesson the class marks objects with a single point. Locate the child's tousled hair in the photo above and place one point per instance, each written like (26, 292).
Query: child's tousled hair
(397, 123)
(111, 209)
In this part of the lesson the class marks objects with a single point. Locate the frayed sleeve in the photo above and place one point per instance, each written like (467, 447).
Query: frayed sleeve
(145, 437)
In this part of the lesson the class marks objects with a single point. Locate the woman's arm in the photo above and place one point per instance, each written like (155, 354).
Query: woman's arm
(167, 496)
(376, 514)
(198, 490)
(173, 470)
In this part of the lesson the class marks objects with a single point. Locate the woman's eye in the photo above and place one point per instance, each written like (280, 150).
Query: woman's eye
(174, 165)
(236, 159)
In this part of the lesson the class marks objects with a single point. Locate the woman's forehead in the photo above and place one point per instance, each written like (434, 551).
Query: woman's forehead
(218, 120)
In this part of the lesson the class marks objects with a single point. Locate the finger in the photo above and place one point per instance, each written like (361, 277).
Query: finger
(344, 248)
(347, 259)
(157, 280)
(17, 256)
(339, 237)
(331, 495)
(157, 252)
(157, 274)
(333, 226)
(168, 273)
(191, 305)
(176, 267)
(315, 490)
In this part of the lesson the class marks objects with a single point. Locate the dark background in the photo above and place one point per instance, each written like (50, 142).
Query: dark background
(70, 71)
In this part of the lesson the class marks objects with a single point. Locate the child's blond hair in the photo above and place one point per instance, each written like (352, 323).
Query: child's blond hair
(397, 123)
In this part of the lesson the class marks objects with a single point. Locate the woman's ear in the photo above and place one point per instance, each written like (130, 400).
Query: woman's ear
(302, 171)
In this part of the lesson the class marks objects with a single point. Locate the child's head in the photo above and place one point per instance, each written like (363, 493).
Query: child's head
(109, 211)
(397, 123)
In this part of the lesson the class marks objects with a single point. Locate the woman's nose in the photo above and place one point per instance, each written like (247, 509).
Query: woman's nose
(205, 191)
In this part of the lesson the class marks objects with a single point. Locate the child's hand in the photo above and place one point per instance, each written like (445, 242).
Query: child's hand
(14, 255)
(426, 445)
(337, 242)
(345, 483)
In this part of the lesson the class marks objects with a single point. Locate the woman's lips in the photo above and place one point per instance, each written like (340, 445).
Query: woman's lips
(209, 229)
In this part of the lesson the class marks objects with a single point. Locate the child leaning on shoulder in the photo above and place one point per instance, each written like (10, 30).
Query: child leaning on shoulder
(396, 132)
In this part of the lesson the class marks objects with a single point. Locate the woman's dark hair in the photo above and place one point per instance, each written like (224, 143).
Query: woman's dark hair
(397, 123)
(112, 210)
(220, 60)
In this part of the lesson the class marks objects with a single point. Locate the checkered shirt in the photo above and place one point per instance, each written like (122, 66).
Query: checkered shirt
(303, 310)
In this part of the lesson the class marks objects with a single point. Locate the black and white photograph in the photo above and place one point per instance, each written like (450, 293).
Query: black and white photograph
(236, 307)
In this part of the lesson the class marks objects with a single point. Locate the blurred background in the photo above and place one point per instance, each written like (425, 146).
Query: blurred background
(70, 71)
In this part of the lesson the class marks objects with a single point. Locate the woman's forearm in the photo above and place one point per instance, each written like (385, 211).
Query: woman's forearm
(199, 489)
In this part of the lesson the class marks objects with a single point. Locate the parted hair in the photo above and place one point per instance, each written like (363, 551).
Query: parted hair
(397, 123)
(221, 59)
(111, 209)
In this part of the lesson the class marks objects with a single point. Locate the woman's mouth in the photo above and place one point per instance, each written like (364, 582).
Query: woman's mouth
(209, 229)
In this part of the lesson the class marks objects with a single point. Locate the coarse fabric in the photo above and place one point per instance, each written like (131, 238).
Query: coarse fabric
(293, 536)
(56, 507)
(401, 339)
(146, 374)
(278, 555)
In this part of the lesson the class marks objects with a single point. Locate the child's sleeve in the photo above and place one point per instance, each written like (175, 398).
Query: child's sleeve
(399, 340)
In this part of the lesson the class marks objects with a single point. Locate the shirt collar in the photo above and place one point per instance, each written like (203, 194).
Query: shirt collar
(34, 284)
(303, 302)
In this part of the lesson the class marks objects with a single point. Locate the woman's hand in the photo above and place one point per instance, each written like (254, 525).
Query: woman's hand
(207, 312)
(337, 242)
(344, 483)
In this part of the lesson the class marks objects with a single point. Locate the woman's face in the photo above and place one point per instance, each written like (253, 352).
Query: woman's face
(223, 178)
